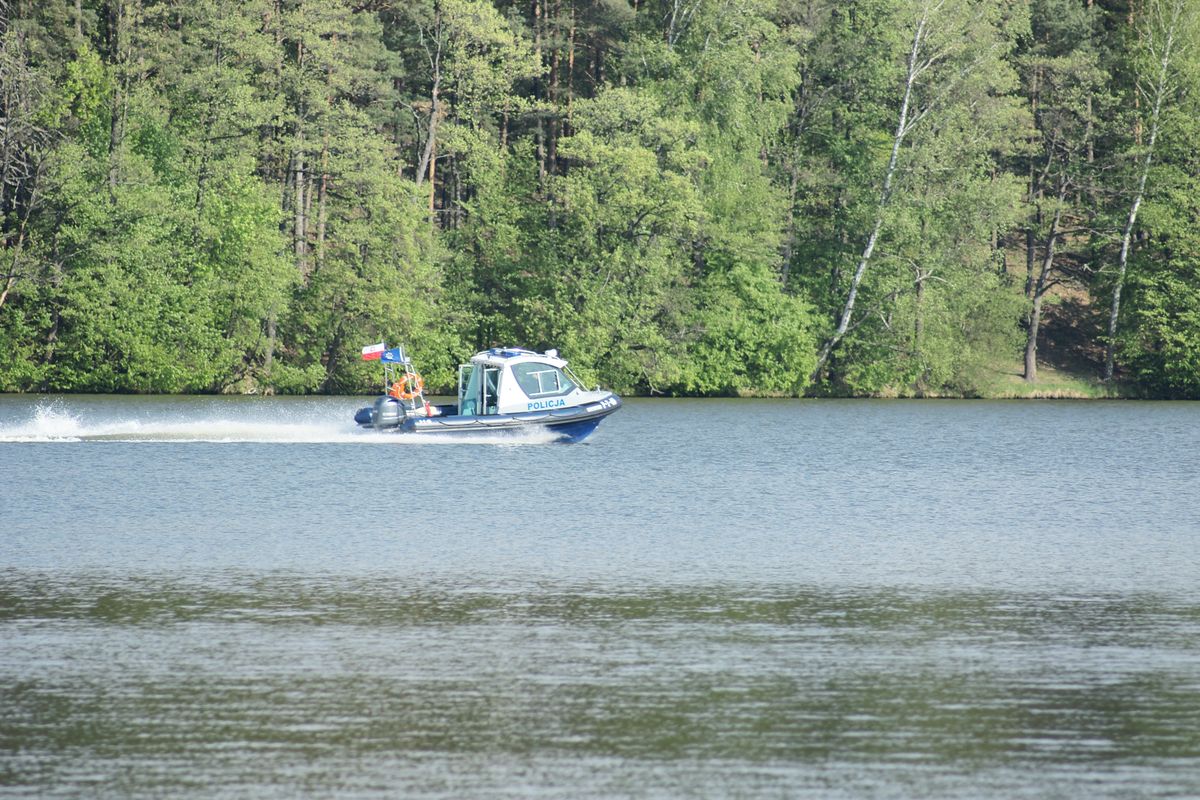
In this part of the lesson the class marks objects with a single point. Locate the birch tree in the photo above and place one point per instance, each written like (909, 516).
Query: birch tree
(1167, 39)
(954, 51)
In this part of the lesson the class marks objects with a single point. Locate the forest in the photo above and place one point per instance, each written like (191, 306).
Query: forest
(684, 197)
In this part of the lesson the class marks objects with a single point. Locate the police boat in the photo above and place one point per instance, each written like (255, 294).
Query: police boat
(501, 389)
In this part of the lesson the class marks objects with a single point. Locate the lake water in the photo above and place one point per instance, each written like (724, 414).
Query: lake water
(220, 597)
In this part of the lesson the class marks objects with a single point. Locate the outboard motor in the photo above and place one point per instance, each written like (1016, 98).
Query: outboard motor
(388, 412)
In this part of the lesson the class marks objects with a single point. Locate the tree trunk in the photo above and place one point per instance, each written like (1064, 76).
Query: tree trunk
(116, 21)
(538, 91)
(1031, 334)
(8, 285)
(322, 213)
(1030, 258)
(432, 174)
(426, 168)
(299, 223)
(458, 194)
(555, 65)
(1039, 290)
(919, 320)
(269, 356)
(1034, 189)
(309, 193)
(299, 183)
(885, 194)
(570, 69)
(270, 154)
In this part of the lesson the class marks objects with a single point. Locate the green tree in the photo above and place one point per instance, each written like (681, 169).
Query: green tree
(1167, 63)
(1159, 339)
(627, 212)
(379, 277)
(468, 59)
(942, 85)
(27, 137)
(1065, 84)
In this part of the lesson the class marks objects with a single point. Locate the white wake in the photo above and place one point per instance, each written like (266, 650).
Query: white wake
(266, 421)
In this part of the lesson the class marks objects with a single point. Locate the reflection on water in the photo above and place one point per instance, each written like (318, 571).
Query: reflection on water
(235, 685)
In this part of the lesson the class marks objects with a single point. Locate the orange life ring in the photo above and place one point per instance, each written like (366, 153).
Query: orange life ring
(409, 385)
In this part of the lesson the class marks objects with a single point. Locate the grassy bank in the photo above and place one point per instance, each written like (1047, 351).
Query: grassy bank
(1006, 382)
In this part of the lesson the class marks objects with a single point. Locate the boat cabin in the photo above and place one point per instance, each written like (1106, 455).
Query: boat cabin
(509, 380)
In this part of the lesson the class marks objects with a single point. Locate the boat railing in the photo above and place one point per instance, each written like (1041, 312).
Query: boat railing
(401, 371)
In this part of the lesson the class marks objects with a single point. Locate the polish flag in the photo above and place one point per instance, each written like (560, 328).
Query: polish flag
(372, 352)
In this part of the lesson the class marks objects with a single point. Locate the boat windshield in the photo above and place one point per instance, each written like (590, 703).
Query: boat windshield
(542, 380)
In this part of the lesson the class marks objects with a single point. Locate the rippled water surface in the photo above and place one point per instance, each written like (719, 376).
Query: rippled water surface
(249, 598)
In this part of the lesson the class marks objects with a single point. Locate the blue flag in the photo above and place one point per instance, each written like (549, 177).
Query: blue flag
(392, 356)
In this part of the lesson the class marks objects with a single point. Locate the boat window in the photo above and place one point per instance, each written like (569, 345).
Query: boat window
(541, 380)
(491, 399)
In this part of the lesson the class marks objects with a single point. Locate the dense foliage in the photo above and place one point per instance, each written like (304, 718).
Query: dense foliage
(682, 196)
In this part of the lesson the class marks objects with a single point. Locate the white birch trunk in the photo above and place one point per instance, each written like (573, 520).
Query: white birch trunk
(902, 129)
(1161, 87)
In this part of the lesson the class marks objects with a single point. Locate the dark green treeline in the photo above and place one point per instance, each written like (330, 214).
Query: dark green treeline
(683, 196)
